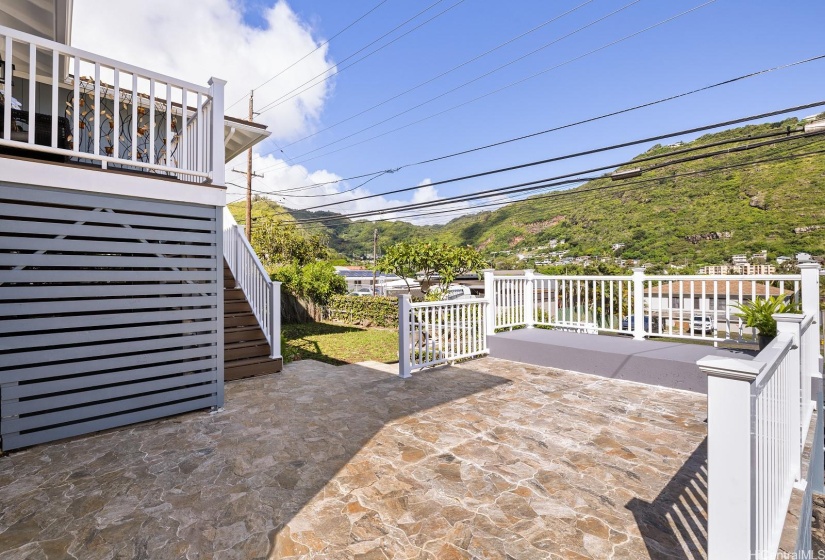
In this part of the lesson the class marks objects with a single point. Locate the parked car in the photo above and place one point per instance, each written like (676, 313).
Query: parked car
(701, 324)
(361, 292)
(632, 321)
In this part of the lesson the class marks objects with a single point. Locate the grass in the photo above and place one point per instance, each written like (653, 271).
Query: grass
(338, 344)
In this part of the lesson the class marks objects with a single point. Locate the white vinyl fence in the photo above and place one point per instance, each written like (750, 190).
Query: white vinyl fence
(759, 414)
(438, 332)
(671, 306)
(87, 107)
(262, 293)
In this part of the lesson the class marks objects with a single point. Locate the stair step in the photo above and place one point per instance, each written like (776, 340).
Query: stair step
(240, 320)
(250, 367)
(232, 293)
(235, 306)
(246, 349)
(243, 334)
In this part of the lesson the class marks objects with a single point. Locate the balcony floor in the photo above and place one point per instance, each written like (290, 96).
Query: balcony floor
(489, 459)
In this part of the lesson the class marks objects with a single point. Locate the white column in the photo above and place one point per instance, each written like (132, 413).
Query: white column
(529, 291)
(275, 320)
(730, 456)
(790, 323)
(404, 368)
(638, 310)
(218, 156)
(490, 296)
(810, 306)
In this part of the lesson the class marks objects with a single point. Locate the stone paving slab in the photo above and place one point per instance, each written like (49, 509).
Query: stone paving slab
(488, 459)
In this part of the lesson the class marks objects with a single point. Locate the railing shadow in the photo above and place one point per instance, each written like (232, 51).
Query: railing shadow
(674, 525)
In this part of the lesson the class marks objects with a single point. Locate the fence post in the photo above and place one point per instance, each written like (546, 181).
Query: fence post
(490, 296)
(275, 320)
(731, 515)
(638, 304)
(404, 367)
(529, 291)
(791, 323)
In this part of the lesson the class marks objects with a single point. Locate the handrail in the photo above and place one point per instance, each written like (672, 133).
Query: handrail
(261, 292)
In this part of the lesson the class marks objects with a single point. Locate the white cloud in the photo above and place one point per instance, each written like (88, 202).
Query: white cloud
(280, 177)
(196, 40)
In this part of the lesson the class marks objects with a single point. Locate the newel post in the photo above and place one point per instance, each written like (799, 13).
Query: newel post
(275, 320)
(216, 148)
(638, 303)
(529, 298)
(731, 456)
(490, 296)
(404, 366)
(810, 306)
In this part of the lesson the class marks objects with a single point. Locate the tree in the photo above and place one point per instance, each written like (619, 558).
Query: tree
(430, 260)
(316, 281)
(278, 242)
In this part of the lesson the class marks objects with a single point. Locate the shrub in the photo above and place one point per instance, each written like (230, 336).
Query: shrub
(368, 311)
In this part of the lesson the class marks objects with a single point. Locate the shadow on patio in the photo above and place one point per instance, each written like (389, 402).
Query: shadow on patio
(675, 524)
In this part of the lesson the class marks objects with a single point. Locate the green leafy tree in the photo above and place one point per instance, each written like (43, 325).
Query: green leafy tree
(316, 281)
(278, 242)
(430, 260)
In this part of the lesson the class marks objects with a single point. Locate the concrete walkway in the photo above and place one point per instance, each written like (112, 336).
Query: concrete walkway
(490, 459)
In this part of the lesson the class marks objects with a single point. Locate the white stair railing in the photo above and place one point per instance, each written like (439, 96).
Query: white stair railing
(262, 293)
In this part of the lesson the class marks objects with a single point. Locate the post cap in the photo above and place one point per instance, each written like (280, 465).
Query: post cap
(730, 368)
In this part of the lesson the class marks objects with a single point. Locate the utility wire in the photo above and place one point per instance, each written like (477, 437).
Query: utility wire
(568, 125)
(512, 84)
(291, 94)
(567, 178)
(569, 192)
(322, 45)
(442, 74)
(586, 152)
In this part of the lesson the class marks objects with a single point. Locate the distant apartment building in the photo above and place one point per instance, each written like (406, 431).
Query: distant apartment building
(761, 256)
(782, 260)
(803, 257)
(739, 259)
(745, 269)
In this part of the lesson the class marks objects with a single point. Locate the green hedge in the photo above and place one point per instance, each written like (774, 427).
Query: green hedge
(367, 311)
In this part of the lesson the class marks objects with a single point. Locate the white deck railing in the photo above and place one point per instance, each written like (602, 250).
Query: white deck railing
(759, 415)
(673, 306)
(437, 332)
(93, 108)
(262, 293)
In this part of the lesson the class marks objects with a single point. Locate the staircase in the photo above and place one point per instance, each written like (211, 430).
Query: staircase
(246, 350)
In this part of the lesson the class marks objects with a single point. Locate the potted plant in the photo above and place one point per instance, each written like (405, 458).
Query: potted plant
(759, 313)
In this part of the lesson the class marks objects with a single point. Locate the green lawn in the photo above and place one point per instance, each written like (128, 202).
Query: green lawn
(338, 344)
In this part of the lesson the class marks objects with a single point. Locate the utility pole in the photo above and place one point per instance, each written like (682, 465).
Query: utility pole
(249, 172)
(374, 257)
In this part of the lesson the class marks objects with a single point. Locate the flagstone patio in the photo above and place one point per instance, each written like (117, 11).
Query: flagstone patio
(488, 459)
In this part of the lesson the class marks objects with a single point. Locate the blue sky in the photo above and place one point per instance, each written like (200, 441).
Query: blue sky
(719, 41)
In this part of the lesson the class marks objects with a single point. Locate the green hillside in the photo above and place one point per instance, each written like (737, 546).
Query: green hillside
(669, 215)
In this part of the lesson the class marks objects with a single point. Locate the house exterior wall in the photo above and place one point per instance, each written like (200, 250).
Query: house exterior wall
(111, 307)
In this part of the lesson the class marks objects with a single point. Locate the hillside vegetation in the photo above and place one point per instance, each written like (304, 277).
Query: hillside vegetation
(679, 213)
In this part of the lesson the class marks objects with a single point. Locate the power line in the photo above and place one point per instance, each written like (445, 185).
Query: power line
(586, 152)
(322, 45)
(442, 74)
(287, 96)
(512, 84)
(565, 126)
(568, 192)
(564, 179)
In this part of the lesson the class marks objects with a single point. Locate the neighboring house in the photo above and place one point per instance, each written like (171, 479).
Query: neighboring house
(111, 234)
(385, 284)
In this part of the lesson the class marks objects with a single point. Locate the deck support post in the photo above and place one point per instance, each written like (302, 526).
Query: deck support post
(275, 320)
(490, 296)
